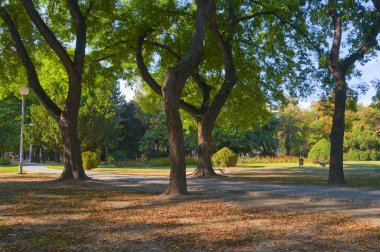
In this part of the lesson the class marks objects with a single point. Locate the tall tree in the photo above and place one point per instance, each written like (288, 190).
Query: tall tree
(365, 42)
(293, 130)
(233, 39)
(171, 91)
(67, 115)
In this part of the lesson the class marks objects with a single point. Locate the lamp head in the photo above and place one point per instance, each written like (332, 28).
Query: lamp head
(24, 91)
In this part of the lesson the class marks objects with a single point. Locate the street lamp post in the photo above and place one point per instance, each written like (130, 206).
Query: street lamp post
(23, 91)
(30, 147)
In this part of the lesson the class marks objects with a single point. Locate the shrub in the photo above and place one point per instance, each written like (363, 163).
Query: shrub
(320, 152)
(90, 160)
(4, 161)
(359, 155)
(225, 158)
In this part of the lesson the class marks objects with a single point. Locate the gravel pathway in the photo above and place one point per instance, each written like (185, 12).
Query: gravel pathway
(39, 168)
(201, 185)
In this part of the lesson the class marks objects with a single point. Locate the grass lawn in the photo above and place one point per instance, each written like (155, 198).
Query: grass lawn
(54, 166)
(37, 214)
(9, 169)
(357, 174)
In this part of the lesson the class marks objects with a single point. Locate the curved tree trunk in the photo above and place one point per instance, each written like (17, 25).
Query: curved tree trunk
(68, 123)
(177, 184)
(336, 174)
(204, 164)
(73, 167)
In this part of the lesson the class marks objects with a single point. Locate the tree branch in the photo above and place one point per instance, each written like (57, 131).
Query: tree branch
(80, 28)
(203, 86)
(48, 35)
(194, 51)
(168, 49)
(296, 28)
(32, 76)
(230, 78)
(368, 43)
(256, 14)
(191, 109)
(335, 47)
(89, 8)
(377, 4)
(143, 69)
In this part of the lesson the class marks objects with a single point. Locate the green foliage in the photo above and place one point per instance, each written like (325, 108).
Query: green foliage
(117, 156)
(320, 152)
(225, 158)
(10, 108)
(263, 138)
(358, 155)
(362, 139)
(293, 130)
(4, 161)
(278, 159)
(133, 125)
(232, 137)
(90, 160)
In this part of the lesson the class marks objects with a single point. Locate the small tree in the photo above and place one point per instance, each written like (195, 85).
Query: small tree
(320, 152)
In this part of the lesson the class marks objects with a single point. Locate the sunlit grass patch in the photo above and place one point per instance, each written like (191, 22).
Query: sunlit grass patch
(9, 169)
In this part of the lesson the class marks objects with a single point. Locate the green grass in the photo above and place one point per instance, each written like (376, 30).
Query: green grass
(55, 166)
(357, 174)
(9, 169)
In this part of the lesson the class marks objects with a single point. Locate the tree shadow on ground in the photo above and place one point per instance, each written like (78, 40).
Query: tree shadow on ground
(94, 215)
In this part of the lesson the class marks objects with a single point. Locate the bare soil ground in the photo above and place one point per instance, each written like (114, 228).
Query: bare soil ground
(38, 214)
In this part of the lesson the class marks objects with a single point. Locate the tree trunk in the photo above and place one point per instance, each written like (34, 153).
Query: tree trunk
(336, 174)
(106, 155)
(73, 167)
(204, 165)
(288, 151)
(177, 183)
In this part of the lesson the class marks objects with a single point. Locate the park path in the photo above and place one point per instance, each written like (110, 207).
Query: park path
(155, 183)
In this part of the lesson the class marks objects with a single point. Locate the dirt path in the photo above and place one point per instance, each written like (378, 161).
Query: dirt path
(224, 185)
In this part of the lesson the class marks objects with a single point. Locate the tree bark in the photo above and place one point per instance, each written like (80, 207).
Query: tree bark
(204, 164)
(171, 92)
(73, 167)
(288, 151)
(336, 174)
(177, 184)
(377, 4)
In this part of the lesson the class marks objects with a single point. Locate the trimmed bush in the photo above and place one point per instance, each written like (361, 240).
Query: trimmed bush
(4, 161)
(90, 160)
(320, 152)
(225, 158)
